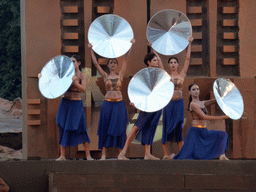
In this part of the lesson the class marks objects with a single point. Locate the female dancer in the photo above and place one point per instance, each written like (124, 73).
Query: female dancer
(146, 123)
(173, 113)
(70, 116)
(113, 115)
(201, 143)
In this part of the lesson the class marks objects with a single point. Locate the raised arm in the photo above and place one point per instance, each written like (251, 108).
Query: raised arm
(209, 102)
(124, 65)
(161, 66)
(95, 62)
(194, 107)
(187, 59)
(80, 87)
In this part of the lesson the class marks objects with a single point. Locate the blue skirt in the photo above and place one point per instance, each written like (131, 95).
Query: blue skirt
(173, 119)
(112, 124)
(147, 124)
(71, 122)
(201, 143)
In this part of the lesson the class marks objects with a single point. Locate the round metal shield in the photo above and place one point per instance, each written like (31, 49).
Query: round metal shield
(228, 98)
(56, 76)
(150, 89)
(169, 31)
(110, 36)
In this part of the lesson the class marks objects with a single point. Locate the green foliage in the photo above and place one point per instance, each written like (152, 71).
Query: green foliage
(10, 49)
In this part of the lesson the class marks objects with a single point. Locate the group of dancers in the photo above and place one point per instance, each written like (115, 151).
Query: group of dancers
(200, 143)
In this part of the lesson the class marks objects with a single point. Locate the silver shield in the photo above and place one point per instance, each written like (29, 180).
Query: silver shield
(228, 98)
(56, 76)
(110, 36)
(150, 89)
(169, 31)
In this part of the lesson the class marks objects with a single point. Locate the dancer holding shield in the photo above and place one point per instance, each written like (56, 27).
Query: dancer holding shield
(146, 122)
(70, 116)
(113, 116)
(201, 143)
(173, 113)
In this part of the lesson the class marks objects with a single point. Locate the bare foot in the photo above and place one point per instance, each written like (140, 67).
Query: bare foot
(103, 157)
(150, 157)
(89, 158)
(121, 156)
(169, 157)
(61, 158)
(223, 157)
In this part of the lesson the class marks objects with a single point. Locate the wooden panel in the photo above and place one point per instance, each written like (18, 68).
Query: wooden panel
(197, 35)
(196, 48)
(220, 182)
(229, 48)
(34, 112)
(33, 101)
(70, 35)
(70, 9)
(112, 181)
(103, 9)
(196, 22)
(229, 23)
(196, 61)
(229, 10)
(229, 61)
(194, 9)
(103, 61)
(34, 122)
(229, 35)
(70, 22)
(71, 49)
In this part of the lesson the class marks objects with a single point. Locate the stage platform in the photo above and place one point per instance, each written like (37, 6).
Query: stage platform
(132, 175)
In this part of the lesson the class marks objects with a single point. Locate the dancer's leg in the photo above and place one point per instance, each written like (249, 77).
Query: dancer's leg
(129, 140)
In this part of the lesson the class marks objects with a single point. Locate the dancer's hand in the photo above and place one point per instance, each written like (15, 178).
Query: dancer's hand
(133, 40)
(89, 45)
(190, 39)
(149, 43)
(74, 78)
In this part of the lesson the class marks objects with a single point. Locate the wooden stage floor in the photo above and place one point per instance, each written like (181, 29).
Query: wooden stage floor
(132, 175)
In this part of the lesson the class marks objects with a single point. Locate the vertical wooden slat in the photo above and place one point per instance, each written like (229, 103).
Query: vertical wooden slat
(212, 8)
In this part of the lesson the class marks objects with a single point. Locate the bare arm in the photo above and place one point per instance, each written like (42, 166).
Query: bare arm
(95, 62)
(161, 66)
(124, 65)
(80, 87)
(194, 107)
(209, 102)
(187, 60)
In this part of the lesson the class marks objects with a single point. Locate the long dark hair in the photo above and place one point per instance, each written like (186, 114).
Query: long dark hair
(149, 57)
(77, 57)
(190, 97)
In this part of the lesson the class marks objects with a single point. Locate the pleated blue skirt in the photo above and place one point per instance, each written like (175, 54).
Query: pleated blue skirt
(71, 122)
(173, 119)
(147, 124)
(112, 124)
(201, 143)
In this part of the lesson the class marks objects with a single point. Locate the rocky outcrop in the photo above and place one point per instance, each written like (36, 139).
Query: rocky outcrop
(13, 108)
(10, 129)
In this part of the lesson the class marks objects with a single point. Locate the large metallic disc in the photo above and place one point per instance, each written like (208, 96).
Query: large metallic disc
(56, 76)
(169, 31)
(228, 98)
(110, 36)
(150, 89)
